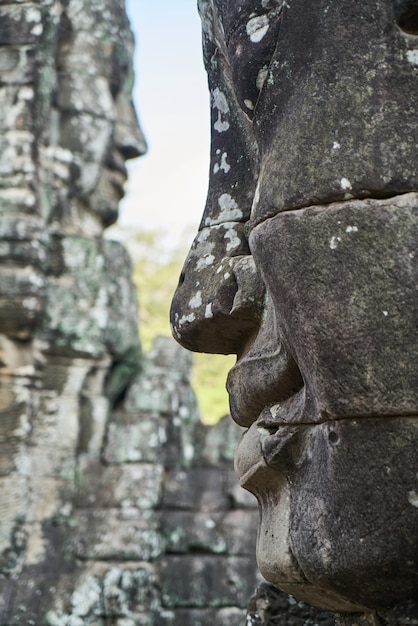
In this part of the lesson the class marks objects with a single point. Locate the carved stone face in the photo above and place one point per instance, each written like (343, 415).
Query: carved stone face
(304, 266)
(96, 128)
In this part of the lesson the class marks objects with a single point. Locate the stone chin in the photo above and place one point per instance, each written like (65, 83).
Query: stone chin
(317, 539)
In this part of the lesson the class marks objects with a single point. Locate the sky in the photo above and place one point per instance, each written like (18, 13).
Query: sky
(166, 188)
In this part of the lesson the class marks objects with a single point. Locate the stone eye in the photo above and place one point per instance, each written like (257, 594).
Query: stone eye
(251, 42)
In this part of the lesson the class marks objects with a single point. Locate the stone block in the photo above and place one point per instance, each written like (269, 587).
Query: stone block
(69, 375)
(117, 534)
(121, 331)
(13, 505)
(140, 619)
(17, 196)
(22, 298)
(117, 591)
(167, 354)
(16, 152)
(239, 528)
(16, 102)
(220, 442)
(205, 581)
(232, 533)
(230, 616)
(47, 497)
(200, 488)
(128, 590)
(57, 421)
(135, 485)
(17, 64)
(131, 441)
(49, 462)
(186, 531)
(14, 414)
(21, 227)
(152, 393)
(77, 303)
(20, 252)
(11, 453)
(240, 497)
(20, 24)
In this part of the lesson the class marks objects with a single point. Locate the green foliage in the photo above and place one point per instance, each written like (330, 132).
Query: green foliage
(156, 273)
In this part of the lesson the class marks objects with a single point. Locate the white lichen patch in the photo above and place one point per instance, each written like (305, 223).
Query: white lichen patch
(196, 301)
(203, 236)
(205, 261)
(220, 103)
(229, 211)
(26, 93)
(413, 498)
(37, 30)
(234, 240)
(210, 523)
(334, 241)
(223, 165)
(257, 28)
(86, 597)
(229, 208)
(412, 56)
(33, 15)
(261, 77)
(188, 452)
(36, 546)
(385, 313)
(186, 318)
(336, 145)
(345, 183)
(351, 229)
(32, 304)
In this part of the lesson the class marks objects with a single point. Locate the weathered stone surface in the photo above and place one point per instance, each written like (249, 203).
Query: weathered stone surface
(233, 533)
(206, 582)
(184, 532)
(133, 485)
(271, 607)
(134, 439)
(197, 488)
(125, 534)
(201, 617)
(321, 310)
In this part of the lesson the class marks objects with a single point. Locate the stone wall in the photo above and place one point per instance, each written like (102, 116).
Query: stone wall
(151, 528)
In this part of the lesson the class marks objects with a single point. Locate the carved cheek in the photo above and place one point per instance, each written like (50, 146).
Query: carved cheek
(342, 278)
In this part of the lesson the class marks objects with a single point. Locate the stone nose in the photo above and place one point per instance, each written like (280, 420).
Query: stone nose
(219, 301)
(128, 136)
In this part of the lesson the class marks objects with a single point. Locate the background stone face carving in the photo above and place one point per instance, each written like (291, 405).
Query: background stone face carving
(304, 266)
(100, 509)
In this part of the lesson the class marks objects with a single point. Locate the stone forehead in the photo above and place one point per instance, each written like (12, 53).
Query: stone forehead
(100, 19)
(94, 35)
